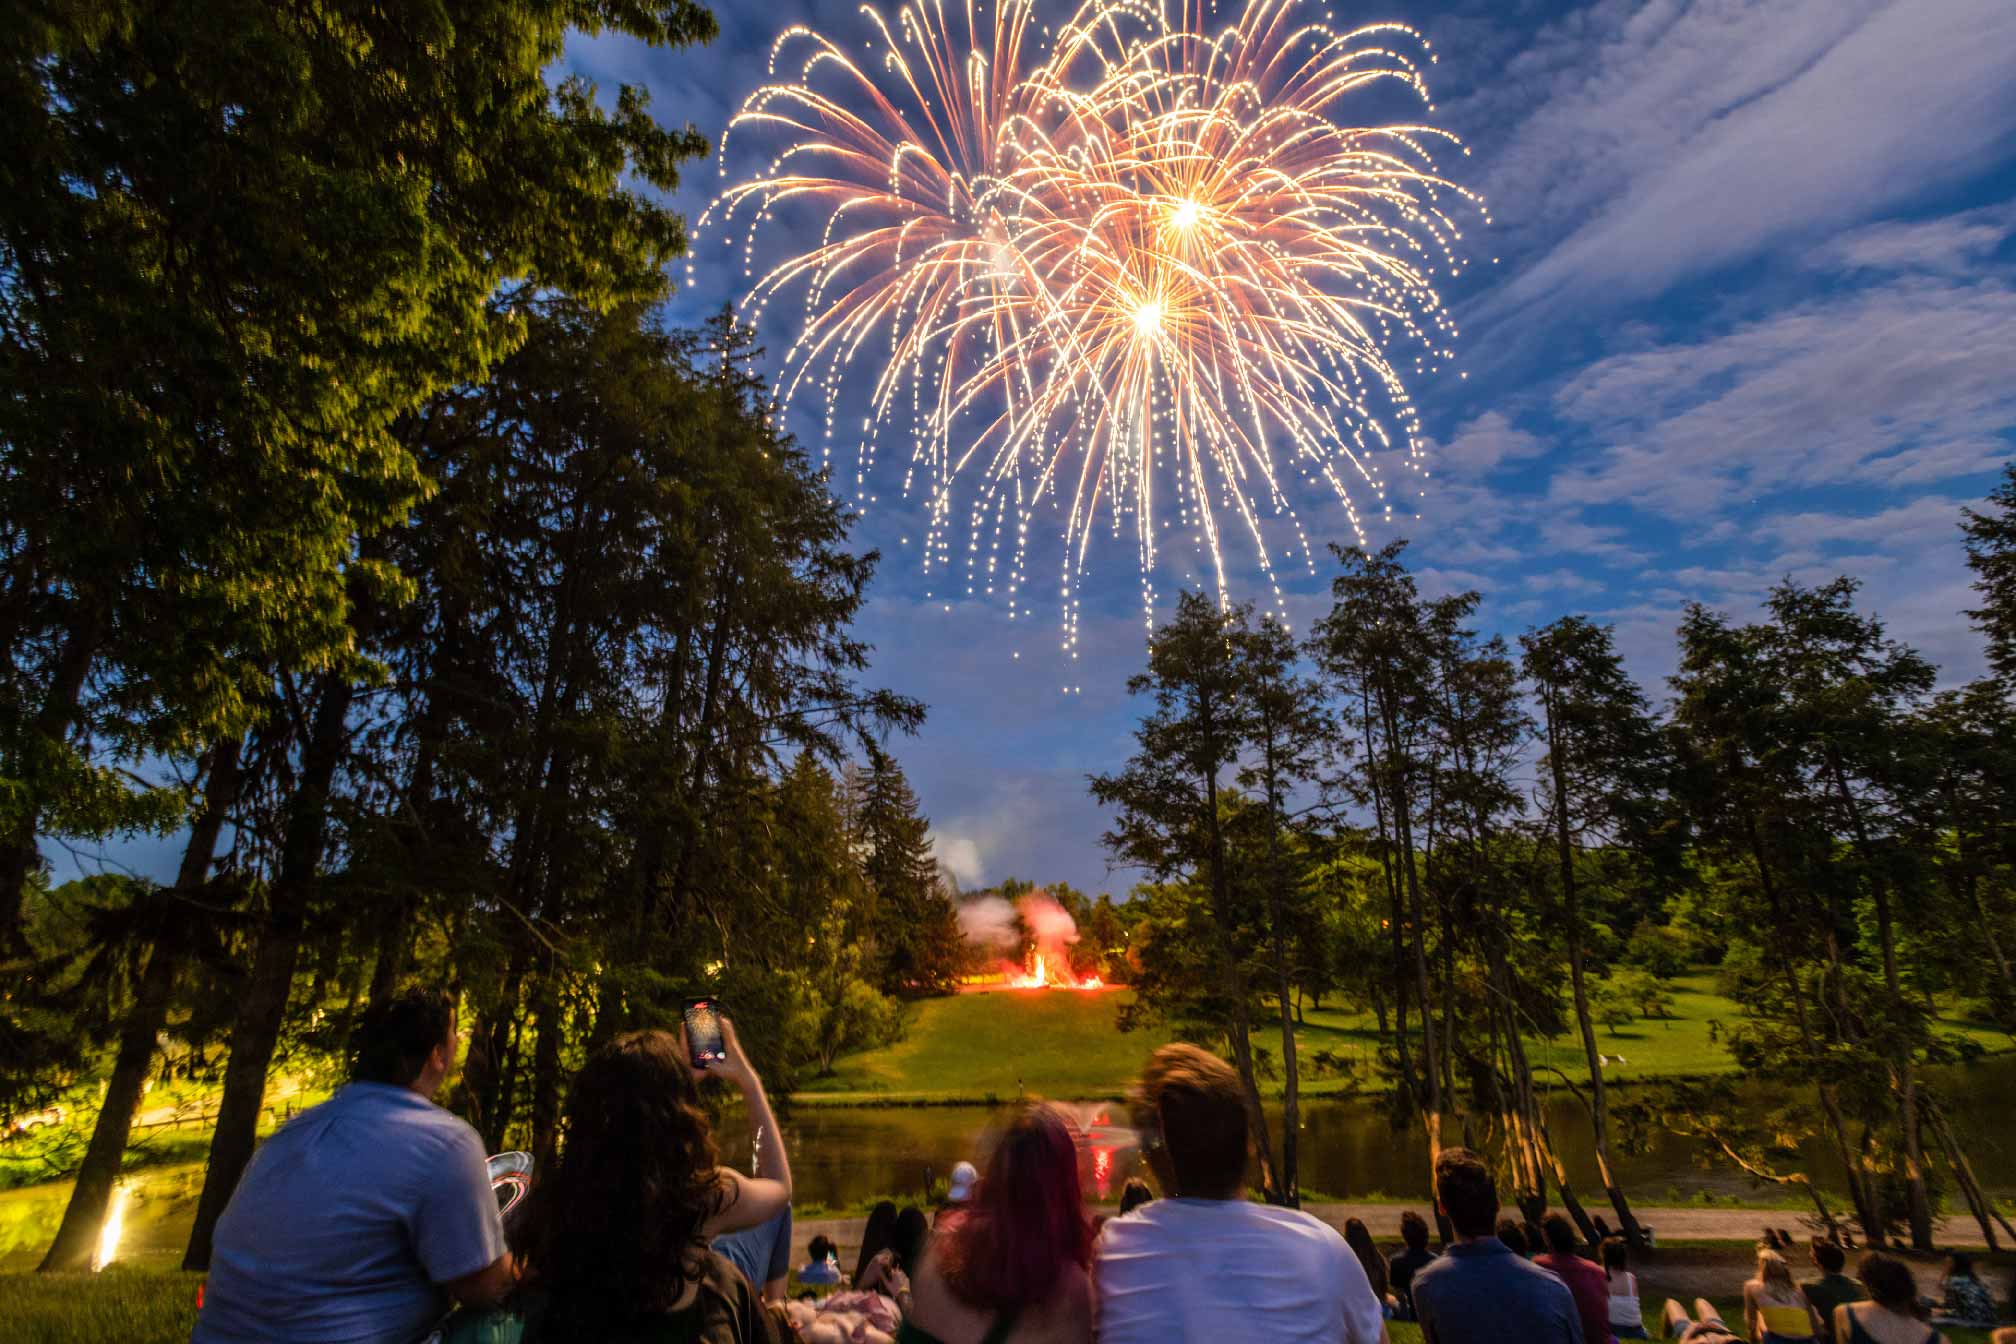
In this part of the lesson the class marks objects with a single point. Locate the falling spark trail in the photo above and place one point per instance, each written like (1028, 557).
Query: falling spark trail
(1137, 264)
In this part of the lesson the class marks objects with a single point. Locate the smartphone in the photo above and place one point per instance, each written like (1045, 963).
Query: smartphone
(703, 1033)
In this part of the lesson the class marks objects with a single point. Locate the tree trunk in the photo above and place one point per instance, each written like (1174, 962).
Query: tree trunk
(1242, 1006)
(395, 942)
(1978, 1202)
(1431, 1071)
(1291, 1093)
(1599, 1107)
(548, 1020)
(18, 852)
(84, 1217)
(1918, 1203)
(1859, 1193)
(263, 1009)
(484, 1072)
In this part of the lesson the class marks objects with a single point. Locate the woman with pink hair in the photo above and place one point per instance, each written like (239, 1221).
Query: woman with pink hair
(1012, 1267)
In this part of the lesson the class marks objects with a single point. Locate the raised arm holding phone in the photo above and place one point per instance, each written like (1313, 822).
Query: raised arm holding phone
(614, 1236)
(760, 1197)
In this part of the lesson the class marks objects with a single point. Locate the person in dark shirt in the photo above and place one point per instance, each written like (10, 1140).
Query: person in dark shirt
(1405, 1264)
(614, 1242)
(1588, 1283)
(1833, 1287)
(1480, 1292)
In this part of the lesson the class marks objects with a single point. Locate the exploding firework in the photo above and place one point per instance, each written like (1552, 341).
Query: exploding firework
(1135, 270)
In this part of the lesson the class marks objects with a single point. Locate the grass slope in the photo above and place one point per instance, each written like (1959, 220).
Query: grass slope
(977, 1047)
(1056, 1043)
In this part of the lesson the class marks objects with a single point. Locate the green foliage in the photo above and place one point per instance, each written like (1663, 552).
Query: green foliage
(1658, 949)
(1991, 554)
(241, 241)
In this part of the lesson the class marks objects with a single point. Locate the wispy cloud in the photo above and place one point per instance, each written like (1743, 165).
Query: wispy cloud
(1673, 138)
(1898, 385)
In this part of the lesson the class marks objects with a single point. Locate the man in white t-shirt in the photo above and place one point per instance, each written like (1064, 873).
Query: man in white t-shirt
(1207, 1265)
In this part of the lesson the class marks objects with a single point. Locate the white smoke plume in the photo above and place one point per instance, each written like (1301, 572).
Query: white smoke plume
(989, 922)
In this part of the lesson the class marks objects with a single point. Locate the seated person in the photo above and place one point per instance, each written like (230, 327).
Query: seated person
(958, 1191)
(1965, 1300)
(762, 1253)
(1480, 1291)
(1513, 1234)
(1359, 1238)
(1708, 1330)
(1206, 1264)
(1587, 1282)
(1012, 1265)
(823, 1269)
(1627, 1315)
(1405, 1263)
(363, 1218)
(1890, 1316)
(1833, 1287)
(1134, 1194)
(1774, 1310)
(907, 1239)
(847, 1317)
(614, 1241)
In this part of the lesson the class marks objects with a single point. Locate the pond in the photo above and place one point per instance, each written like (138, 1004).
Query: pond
(844, 1156)
(1349, 1148)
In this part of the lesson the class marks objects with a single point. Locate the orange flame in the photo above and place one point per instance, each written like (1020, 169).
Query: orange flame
(1051, 972)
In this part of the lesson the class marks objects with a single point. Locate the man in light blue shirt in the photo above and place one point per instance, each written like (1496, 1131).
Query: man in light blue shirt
(1480, 1291)
(362, 1218)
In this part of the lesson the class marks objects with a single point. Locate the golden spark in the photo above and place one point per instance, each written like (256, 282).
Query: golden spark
(1139, 256)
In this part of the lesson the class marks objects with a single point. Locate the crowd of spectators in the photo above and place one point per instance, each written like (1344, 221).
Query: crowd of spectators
(370, 1219)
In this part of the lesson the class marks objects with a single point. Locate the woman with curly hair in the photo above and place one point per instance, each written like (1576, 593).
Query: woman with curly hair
(1011, 1266)
(613, 1241)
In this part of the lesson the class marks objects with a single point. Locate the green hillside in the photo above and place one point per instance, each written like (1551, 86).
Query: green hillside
(1063, 1044)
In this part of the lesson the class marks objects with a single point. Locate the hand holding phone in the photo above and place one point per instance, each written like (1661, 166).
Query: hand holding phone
(706, 1043)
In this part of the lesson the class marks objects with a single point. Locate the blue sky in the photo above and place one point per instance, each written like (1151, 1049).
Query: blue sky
(1753, 315)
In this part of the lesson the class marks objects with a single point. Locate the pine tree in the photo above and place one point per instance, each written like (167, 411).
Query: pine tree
(1991, 554)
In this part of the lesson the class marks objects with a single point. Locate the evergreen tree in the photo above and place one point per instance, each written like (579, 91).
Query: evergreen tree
(912, 922)
(1991, 554)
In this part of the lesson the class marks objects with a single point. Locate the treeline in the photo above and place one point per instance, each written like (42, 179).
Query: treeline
(481, 628)
(1468, 835)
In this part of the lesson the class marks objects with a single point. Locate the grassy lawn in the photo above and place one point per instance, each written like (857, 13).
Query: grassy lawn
(136, 1307)
(126, 1306)
(1057, 1043)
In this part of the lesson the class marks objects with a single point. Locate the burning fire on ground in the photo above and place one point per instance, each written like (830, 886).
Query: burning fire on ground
(992, 923)
(1050, 972)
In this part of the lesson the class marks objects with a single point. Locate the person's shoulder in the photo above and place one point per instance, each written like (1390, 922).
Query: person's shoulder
(1540, 1273)
(1437, 1268)
(439, 1125)
(1295, 1222)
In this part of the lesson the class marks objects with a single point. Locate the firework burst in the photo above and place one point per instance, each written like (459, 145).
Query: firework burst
(1135, 272)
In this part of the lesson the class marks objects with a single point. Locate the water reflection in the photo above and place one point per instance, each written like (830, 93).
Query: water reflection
(844, 1157)
(115, 1225)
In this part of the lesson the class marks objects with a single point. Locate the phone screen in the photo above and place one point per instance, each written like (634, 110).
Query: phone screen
(703, 1033)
